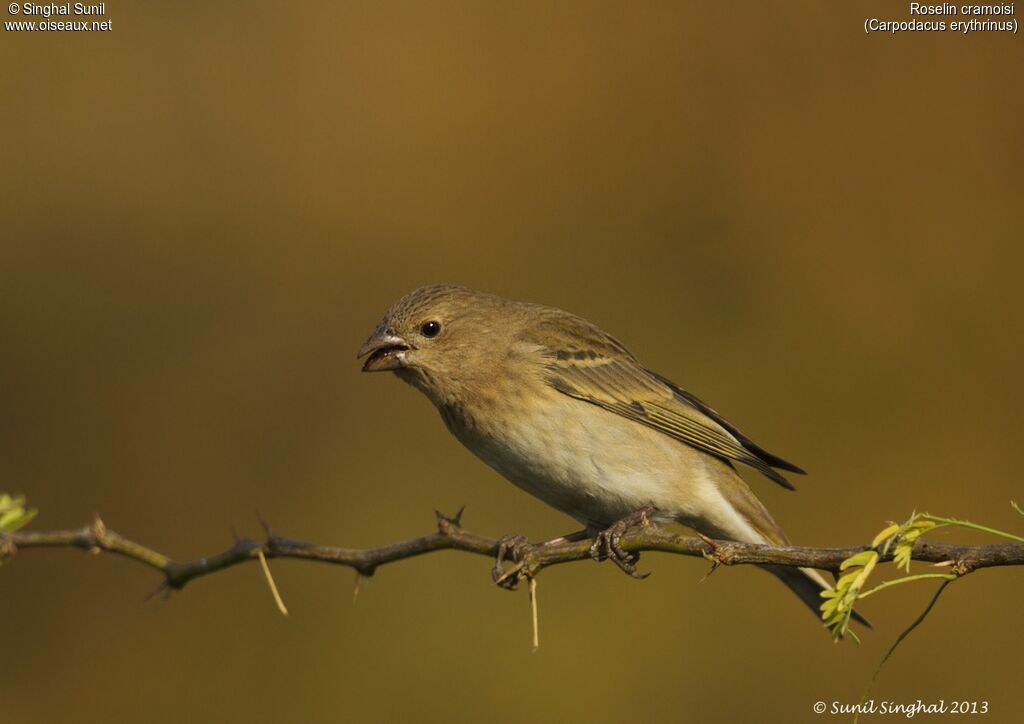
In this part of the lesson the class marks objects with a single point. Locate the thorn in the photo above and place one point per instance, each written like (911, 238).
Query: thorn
(270, 582)
(942, 564)
(715, 563)
(510, 578)
(357, 587)
(715, 556)
(446, 523)
(265, 524)
(162, 588)
(455, 520)
(99, 531)
(234, 534)
(711, 544)
(533, 606)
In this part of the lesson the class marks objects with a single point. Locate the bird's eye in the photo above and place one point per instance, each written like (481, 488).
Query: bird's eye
(431, 329)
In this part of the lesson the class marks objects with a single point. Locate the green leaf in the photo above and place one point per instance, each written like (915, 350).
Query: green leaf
(860, 559)
(885, 535)
(906, 537)
(837, 608)
(13, 514)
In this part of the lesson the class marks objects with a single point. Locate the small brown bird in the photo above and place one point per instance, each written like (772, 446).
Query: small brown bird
(567, 413)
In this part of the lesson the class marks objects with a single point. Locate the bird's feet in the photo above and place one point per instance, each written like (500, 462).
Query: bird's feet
(607, 544)
(509, 547)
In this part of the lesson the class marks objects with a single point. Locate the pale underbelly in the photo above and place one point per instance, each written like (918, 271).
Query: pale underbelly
(599, 467)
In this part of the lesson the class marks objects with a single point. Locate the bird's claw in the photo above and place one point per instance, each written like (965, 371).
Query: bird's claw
(509, 547)
(608, 543)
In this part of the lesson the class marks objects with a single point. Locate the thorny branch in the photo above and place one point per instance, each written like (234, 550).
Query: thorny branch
(961, 559)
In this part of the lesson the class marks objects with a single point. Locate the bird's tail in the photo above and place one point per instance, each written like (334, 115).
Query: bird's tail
(808, 584)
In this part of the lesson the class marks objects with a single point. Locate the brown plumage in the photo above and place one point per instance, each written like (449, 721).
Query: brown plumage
(566, 412)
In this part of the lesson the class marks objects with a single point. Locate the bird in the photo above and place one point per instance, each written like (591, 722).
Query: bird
(566, 412)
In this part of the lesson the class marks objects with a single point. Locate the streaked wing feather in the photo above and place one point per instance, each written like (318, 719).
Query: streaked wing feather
(602, 375)
(771, 459)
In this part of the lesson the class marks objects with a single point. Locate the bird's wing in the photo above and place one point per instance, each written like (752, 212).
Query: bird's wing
(593, 367)
(773, 460)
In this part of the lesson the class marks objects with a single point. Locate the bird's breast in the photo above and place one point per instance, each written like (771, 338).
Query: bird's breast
(585, 461)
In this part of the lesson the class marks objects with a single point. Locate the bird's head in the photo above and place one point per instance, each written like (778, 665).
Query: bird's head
(440, 339)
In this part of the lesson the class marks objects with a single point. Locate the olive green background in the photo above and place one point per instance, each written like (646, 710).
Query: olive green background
(206, 210)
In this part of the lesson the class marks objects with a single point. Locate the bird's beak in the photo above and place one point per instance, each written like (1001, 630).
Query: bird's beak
(386, 350)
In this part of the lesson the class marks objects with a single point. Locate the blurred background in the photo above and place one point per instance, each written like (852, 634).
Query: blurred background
(206, 210)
